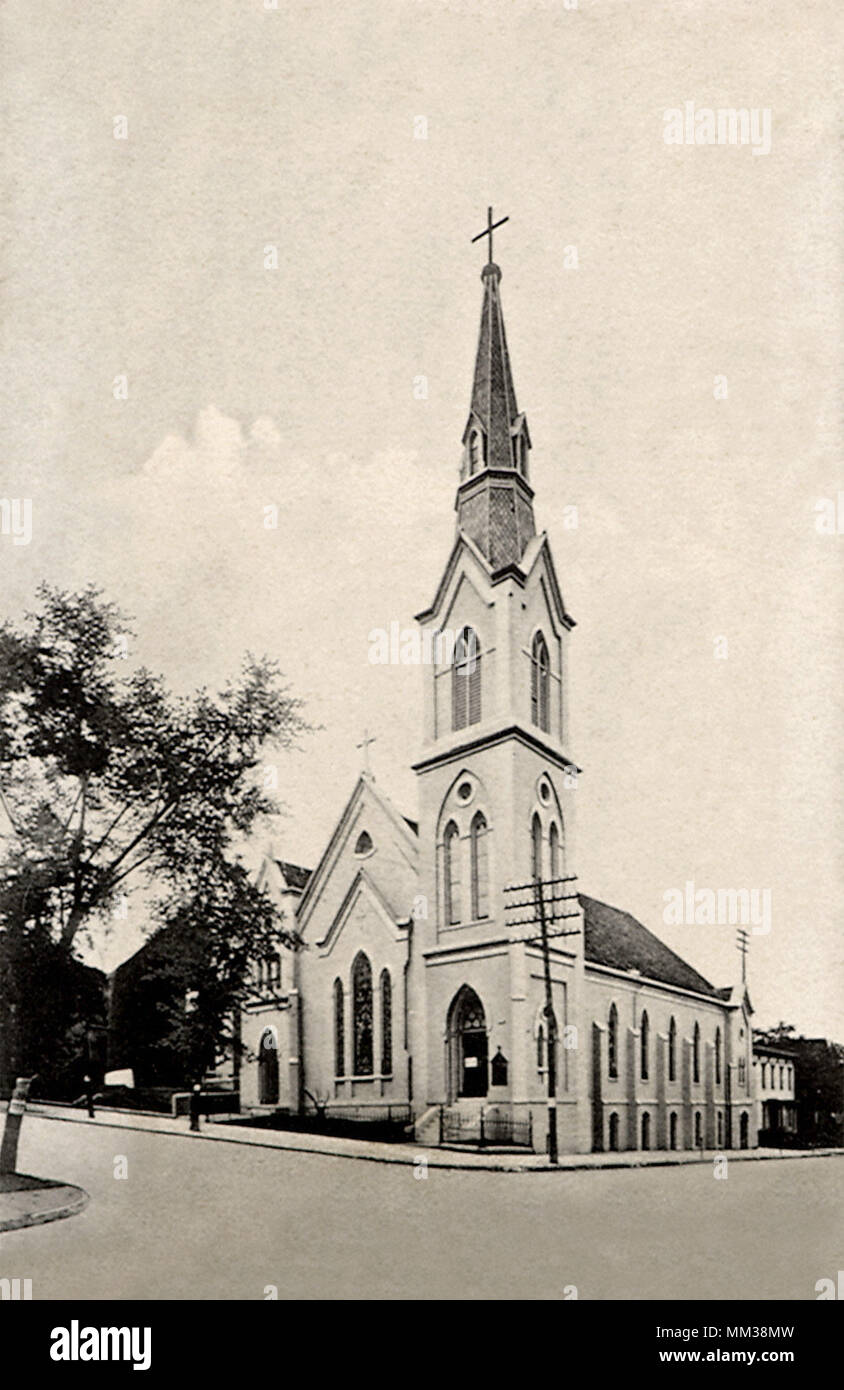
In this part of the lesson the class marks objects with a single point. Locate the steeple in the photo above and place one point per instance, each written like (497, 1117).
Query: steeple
(494, 500)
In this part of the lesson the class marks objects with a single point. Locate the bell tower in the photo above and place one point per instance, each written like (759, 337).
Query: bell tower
(497, 778)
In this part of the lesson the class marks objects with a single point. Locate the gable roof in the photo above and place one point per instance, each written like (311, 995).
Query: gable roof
(615, 939)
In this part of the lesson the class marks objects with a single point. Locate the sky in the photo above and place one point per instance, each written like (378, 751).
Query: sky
(265, 297)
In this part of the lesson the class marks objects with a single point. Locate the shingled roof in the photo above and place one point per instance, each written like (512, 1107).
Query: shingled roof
(616, 939)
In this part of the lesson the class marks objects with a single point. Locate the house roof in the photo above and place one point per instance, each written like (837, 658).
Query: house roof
(615, 939)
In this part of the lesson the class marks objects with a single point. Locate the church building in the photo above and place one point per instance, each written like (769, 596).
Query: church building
(423, 986)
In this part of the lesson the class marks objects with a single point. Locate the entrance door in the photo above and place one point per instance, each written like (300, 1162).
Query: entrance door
(468, 1047)
(268, 1069)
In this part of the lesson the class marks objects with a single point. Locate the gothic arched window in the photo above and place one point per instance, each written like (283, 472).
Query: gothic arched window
(480, 866)
(475, 452)
(540, 1047)
(466, 680)
(362, 1015)
(612, 1042)
(386, 1023)
(540, 678)
(718, 1056)
(536, 847)
(672, 1050)
(554, 853)
(696, 1054)
(339, 1031)
(643, 1045)
(451, 872)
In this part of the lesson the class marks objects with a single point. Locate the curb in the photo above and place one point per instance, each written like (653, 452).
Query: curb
(435, 1159)
(71, 1206)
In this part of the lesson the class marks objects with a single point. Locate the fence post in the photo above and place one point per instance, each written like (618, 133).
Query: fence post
(441, 1125)
(530, 1128)
(482, 1127)
(11, 1129)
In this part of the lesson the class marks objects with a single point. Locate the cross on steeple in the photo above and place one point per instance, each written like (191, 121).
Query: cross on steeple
(490, 228)
(364, 744)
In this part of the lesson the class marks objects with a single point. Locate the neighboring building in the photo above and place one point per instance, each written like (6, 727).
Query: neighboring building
(776, 1104)
(800, 1090)
(820, 1091)
(421, 981)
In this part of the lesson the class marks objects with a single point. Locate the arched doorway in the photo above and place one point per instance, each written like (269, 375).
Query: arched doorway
(613, 1136)
(467, 1046)
(267, 1069)
(743, 1129)
(646, 1131)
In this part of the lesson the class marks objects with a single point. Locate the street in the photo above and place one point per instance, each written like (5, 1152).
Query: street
(194, 1219)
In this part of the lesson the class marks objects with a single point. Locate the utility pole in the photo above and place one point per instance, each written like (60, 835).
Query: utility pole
(551, 1028)
(532, 900)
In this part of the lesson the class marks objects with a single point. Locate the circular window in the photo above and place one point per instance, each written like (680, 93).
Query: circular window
(544, 793)
(464, 791)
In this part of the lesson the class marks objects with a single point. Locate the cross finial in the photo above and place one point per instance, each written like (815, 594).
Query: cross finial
(364, 744)
(489, 229)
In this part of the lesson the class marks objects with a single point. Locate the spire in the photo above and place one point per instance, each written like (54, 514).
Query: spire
(493, 394)
(494, 500)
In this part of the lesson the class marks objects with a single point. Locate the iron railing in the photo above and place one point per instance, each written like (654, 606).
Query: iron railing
(486, 1127)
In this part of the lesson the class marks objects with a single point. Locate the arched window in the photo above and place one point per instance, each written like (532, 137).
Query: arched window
(696, 1054)
(555, 861)
(364, 844)
(717, 1056)
(339, 1031)
(536, 847)
(782, 1069)
(672, 1050)
(466, 680)
(612, 1042)
(475, 452)
(546, 1037)
(698, 1130)
(720, 1129)
(646, 1131)
(386, 1024)
(362, 1015)
(614, 1132)
(451, 872)
(643, 1044)
(480, 866)
(672, 1130)
(540, 677)
(742, 1073)
(764, 1075)
(540, 1047)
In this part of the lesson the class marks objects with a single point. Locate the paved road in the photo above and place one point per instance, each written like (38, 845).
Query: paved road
(205, 1220)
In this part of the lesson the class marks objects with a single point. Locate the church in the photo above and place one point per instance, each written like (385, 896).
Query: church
(449, 960)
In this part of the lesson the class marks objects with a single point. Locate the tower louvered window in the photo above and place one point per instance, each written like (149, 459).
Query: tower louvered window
(466, 680)
(540, 682)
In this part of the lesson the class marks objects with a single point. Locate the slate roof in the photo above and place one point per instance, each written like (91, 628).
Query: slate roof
(294, 875)
(616, 939)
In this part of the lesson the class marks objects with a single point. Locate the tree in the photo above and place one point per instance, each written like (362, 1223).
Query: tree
(109, 781)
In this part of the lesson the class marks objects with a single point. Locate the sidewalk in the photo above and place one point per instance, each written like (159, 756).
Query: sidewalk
(511, 1161)
(26, 1201)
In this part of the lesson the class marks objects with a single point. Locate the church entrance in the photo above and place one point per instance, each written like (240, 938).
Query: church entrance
(467, 1046)
(268, 1069)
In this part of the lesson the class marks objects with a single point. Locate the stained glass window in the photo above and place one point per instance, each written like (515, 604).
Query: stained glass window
(362, 1015)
